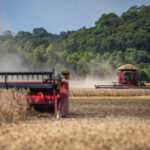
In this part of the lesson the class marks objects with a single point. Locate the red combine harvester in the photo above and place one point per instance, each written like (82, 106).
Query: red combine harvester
(127, 79)
(48, 93)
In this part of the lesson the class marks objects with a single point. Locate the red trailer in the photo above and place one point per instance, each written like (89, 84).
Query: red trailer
(48, 93)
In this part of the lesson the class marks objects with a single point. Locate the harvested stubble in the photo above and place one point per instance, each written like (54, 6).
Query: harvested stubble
(77, 134)
(13, 105)
(110, 107)
(83, 92)
(93, 124)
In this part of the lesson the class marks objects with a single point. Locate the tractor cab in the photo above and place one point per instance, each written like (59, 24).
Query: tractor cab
(128, 74)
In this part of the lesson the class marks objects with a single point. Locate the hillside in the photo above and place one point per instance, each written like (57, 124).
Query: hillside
(95, 51)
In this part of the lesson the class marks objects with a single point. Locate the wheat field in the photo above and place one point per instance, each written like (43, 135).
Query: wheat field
(83, 92)
(105, 122)
(13, 105)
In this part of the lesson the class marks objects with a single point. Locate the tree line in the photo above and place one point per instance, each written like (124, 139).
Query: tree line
(97, 51)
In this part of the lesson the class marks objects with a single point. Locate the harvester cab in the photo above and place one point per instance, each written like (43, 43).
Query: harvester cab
(128, 75)
(47, 92)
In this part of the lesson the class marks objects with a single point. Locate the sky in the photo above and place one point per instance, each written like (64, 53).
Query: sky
(58, 15)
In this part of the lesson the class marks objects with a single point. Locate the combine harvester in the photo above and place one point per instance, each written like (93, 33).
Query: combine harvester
(48, 93)
(127, 79)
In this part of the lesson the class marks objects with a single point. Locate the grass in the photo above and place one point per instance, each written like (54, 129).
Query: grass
(95, 122)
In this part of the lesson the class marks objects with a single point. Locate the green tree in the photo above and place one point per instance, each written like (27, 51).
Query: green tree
(40, 32)
(108, 20)
(23, 34)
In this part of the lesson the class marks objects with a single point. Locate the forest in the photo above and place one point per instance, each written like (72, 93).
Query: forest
(96, 51)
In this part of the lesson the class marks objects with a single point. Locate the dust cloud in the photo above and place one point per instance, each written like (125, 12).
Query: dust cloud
(91, 82)
(101, 74)
(12, 62)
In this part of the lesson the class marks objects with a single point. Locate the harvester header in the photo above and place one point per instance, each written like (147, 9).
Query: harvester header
(47, 92)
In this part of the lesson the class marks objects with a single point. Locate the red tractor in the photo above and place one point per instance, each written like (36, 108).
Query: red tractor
(48, 93)
(127, 79)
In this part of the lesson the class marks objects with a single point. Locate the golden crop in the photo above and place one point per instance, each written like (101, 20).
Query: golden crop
(77, 92)
(13, 105)
(107, 122)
